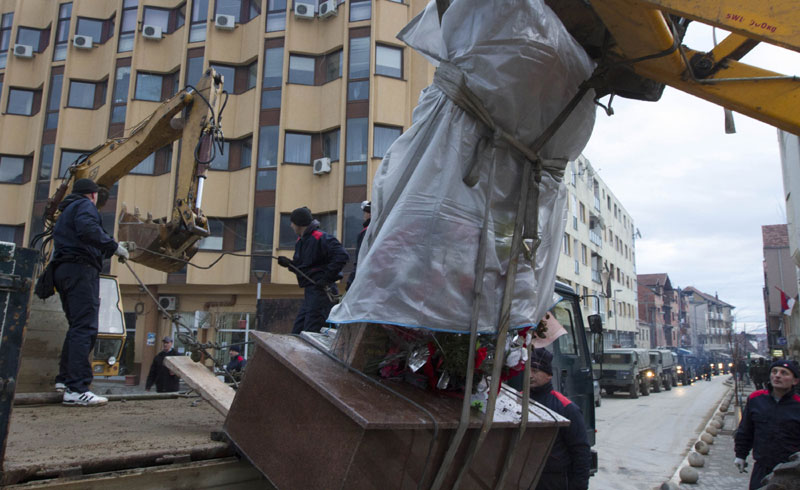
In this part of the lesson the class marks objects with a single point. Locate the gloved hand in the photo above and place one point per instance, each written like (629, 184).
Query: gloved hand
(741, 464)
(284, 262)
(122, 252)
(323, 284)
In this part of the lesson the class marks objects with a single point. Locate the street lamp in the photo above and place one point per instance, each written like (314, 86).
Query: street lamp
(616, 325)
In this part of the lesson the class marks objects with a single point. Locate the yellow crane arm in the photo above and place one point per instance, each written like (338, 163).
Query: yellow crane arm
(191, 115)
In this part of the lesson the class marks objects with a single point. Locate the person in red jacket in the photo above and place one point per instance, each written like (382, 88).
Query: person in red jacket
(568, 466)
(770, 424)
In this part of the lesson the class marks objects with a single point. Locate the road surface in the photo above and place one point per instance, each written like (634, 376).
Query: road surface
(641, 442)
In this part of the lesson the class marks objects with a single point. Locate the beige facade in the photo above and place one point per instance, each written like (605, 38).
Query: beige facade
(301, 88)
(598, 257)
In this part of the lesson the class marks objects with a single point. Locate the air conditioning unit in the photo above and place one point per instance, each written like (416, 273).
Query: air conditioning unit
(327, 9)
(303, 10)
(82, 42)
(151, 32)
(225, 22)
(322, 166)
(23, 51)
(169, 303)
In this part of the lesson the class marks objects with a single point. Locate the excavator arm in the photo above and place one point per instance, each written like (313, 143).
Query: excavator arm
(637, 44)
(192, 115)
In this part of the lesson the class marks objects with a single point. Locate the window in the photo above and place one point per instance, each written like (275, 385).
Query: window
(263, 229)
(98, 29)
(358, 86)
(86, 95)
(301, 69)
(12, 234)
(584, 254)
(197, 32)
(6, 22)
(582, 208)
(286, 235)
(330, 144)
(169, 20)
(297, 148)
(355, 175)
(268, 147)
(332, 65)
(273, 76)
(574, 209)
(12, 169)
(356, 150)
(383, 138)
(23, 102)
(389, 61)
(156, 163)
(54, 101)
(228, 234)
(127, 26)
(236, 155)
(241, 78)
(243, 11)
(62, 32)
(327, 222)
(353, 224)
(38, 39)
(155, 87)
(566, 244)
(360, 10)
(276, 15)
(119, 99)
(68, 157)
(194, 66)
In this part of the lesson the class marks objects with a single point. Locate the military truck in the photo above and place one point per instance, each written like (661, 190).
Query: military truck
(664, 363)
(626, 369)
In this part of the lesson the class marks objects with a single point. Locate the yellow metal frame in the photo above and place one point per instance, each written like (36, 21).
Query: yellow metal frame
(107, 370)
(640, 28)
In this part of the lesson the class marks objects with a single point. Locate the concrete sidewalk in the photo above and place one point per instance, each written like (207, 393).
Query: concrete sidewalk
(718, 471)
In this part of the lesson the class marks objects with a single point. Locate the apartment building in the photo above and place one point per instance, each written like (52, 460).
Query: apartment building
(659, 311)
(598, 257)
(780, 274)
(307, 80)
(710, 321)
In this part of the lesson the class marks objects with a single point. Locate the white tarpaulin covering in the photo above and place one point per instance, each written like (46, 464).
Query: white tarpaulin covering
(417, 263)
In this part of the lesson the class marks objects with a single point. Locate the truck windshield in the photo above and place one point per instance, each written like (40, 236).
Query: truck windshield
(653, 358)
(616, 358)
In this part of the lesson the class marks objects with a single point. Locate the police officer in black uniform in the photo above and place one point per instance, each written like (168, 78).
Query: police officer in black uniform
(165, 380)
(79, 246)
(568, 466)
(366, 207)
(320, 257)
(770, 424)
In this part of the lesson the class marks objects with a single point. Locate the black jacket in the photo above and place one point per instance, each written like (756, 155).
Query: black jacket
(571, 454)
(320, 256)
(358, 249)
(160, 375)
(237, 364)
(770, 428)
(79, 235)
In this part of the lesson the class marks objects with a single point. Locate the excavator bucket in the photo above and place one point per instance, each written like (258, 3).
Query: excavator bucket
(158, 243)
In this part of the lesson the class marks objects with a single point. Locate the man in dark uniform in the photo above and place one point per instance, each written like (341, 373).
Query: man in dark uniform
(165, 380)
(366, 206)
(79, 246)
(567, 468)
(238, 362)
(770, 424)
(320, 257)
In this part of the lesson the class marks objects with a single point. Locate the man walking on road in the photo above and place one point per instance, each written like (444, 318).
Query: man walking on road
(770, 424)
(79, 246)
(320, 258)
(165, 380)
(568, 466)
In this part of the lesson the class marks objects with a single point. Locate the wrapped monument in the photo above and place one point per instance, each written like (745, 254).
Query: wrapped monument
(417, 264)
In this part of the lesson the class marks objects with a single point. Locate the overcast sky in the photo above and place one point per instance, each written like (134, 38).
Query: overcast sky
(698, 196)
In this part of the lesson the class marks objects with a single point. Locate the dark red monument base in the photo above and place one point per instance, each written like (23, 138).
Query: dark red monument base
(307, 422)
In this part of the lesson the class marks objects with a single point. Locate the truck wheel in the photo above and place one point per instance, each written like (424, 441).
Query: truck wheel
(634, 389)
(609, 391)
(597, 402)
(645, 387)
(668, 382)
(673, 379)
(656, 385)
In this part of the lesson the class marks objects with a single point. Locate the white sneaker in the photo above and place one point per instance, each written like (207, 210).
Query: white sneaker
(87, 399)
(61, 387)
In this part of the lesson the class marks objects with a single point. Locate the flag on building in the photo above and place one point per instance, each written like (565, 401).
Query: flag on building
(787, 303)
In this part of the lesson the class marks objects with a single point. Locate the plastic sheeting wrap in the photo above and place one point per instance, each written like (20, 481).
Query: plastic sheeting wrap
(417, 264)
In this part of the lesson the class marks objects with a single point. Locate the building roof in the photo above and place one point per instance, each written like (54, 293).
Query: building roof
(707, 297)
(775, 236)
(654, 279)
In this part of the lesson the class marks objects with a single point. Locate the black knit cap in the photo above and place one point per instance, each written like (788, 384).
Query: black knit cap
(542, 360)
(301, 216)
(84, 186)
(788, 364)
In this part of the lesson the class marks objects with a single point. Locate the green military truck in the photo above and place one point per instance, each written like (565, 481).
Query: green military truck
(626, 369)
(664, 363)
